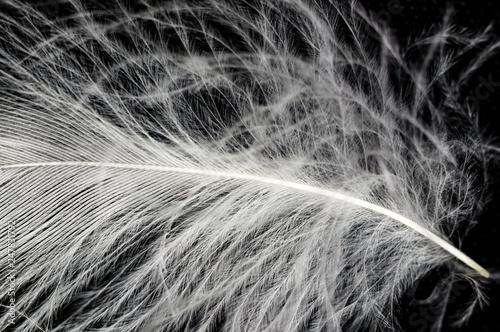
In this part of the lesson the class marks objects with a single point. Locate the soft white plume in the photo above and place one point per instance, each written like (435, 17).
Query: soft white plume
(166, 165)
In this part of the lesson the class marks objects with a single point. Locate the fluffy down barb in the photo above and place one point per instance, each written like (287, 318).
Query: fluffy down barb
(229, 166)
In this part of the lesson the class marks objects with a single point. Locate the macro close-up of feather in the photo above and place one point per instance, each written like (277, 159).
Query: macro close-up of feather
(237, 165)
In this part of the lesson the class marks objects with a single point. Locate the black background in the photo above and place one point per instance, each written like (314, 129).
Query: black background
(407, 20)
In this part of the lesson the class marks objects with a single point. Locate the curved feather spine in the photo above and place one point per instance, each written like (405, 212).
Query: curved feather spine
(298, 186)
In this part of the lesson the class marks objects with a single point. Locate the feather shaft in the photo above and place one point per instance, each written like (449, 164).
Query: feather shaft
(287, 184)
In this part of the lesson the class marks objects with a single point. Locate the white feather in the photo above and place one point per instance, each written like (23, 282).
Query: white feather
(237, 167)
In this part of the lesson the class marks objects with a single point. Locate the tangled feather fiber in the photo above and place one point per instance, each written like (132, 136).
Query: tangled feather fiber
(217, 165)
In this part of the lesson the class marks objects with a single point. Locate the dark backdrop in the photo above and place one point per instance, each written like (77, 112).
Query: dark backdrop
(407, 19)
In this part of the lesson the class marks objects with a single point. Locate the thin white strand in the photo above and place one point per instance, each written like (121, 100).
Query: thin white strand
(287, 184)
